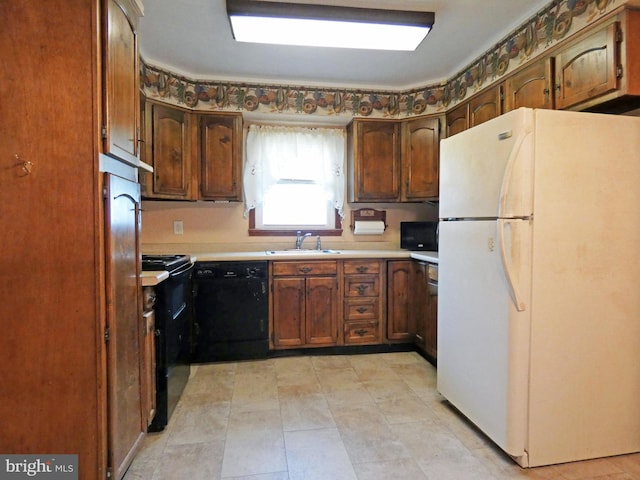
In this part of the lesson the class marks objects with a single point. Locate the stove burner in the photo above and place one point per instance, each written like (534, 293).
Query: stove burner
(164, 262)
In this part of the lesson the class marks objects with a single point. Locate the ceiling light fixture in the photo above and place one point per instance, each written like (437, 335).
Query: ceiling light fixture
(327, 26)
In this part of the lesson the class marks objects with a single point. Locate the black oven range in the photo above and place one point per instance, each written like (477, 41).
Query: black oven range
(173, 332)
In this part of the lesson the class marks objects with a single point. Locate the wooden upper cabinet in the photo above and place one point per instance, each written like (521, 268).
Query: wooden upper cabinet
(121, 127)
(530, 87)
(394, 161)
(420, 159)
(375, 161)
(485, 106)
(458, 119)
(220, 157)
(194, 156)
(168, 151)
(587, 68)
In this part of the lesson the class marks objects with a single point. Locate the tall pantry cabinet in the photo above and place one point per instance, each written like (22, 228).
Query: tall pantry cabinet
(70, 312)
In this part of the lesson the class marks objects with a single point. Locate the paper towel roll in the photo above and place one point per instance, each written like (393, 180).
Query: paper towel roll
(368, 228)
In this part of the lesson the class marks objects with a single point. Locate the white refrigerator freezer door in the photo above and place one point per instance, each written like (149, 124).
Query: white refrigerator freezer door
(487, 171)
(483, 337)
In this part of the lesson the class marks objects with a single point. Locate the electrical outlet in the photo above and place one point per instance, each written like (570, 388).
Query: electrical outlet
(178, 227)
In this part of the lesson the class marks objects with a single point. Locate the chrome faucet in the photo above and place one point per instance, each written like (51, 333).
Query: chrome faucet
(300, 238)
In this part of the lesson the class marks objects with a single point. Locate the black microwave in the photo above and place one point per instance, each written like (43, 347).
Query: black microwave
(419, 236)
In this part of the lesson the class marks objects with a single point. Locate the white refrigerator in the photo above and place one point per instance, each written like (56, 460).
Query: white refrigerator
(539, 283)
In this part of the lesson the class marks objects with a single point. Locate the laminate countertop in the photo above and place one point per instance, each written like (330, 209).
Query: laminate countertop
(152, 278)
(274, 255)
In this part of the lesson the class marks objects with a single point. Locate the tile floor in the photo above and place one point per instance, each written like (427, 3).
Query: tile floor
(359, 417)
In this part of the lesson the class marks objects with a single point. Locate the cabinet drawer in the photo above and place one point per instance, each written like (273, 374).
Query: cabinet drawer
(305, 268)
(361, 285)
(361, 332)
(361, 266)
(357, 309)
(432, 272)
(148, 298)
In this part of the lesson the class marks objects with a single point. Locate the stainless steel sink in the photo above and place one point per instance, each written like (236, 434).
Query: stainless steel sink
(303, 252)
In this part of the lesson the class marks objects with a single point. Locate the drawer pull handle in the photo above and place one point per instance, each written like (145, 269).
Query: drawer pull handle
(361, 333)
(305, 269)
(361, 309)
(361, 289)
(362, 269)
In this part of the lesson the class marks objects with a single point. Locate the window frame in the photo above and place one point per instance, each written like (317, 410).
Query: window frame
(257, 232)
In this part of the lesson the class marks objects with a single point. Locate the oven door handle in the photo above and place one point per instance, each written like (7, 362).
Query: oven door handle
(184, 269)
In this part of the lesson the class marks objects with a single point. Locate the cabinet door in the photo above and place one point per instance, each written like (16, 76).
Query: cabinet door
(420, 159)
(288, 312)
(127, 425)
(420, 301)
(220, 157)
(321, 310)
(149, 361)
(376, 161)
(431, 317)
(400, 321)
(121, 89)
(588, 68)
(458, 119)
(485, 106)
(169, 153)
(530, 87)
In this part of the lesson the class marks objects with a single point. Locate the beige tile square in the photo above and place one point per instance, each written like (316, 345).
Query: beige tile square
(289, 392)
(367, 436)
(198, 419)
(339, 400)
(199, 461)
(402, 469)
(264, 476)
(406, 409)
(254, 444)
(317, 455)
(382, 390)
(255, 391)
(330, 362)
(332, 380)
(306, 413)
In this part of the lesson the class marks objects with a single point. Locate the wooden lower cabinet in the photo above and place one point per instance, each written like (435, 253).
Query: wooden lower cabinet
(431, 318)
(425, 307)
(421, 302)
(149, 354)
(400, 320)
(304, 299)
(363, 301)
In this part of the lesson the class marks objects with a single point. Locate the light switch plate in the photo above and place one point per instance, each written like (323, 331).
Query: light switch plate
(178, 227)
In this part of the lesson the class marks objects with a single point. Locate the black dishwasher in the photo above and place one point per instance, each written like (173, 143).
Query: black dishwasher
(231, 311)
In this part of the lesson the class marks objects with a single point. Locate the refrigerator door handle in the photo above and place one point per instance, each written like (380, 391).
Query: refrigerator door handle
(506, 264)
(506, 179)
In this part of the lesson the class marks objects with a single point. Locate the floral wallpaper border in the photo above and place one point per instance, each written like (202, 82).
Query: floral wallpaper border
(561, 18)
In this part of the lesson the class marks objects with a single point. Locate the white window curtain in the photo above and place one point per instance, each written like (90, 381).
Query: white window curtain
(275, 153)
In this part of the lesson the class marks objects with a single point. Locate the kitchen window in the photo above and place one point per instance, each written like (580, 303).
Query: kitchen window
(294, 180)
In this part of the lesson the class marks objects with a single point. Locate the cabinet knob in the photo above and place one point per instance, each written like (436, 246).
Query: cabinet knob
(361, 289)
(361, 332)
(361, 309)
(362, 269)
(305, 269)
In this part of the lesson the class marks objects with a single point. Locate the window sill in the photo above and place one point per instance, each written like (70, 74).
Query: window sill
(257, 232)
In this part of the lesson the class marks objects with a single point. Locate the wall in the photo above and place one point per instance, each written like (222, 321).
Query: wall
(215, 227)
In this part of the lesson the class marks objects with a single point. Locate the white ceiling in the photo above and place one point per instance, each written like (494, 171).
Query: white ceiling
(193, 38)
